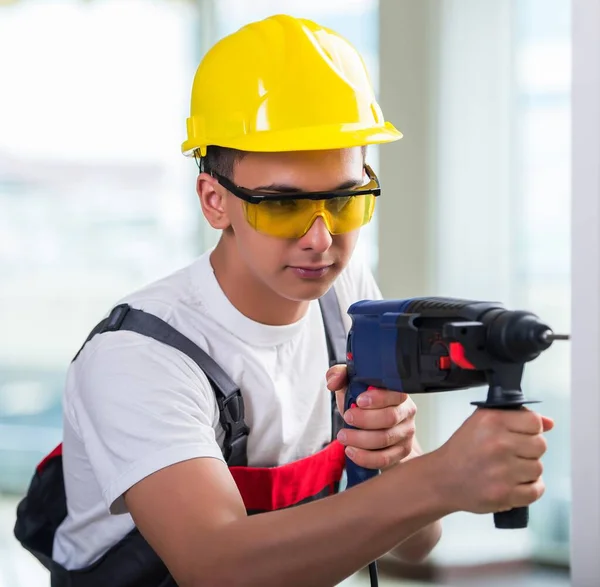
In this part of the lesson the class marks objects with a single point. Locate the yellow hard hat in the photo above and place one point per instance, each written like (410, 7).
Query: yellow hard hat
(284, 84)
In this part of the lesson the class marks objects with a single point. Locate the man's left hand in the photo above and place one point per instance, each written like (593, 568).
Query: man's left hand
(385, 420)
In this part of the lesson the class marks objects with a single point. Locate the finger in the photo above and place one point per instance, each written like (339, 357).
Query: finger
(337, 377)
(527, 470)
(527, 493)
(375, 398)
(547, 423)
(377, 459)
(524, 421)
(529, 447)
(381, 419)
(379, 439)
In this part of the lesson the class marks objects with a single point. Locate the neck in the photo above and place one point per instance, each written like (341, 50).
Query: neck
(251, 296)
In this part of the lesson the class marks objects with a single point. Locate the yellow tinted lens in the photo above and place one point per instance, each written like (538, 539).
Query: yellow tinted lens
(291, 218)
(282, 218)
(349, 213)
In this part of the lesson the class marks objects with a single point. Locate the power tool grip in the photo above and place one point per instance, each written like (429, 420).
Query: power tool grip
(512, 519)
(517, 517)
(354, 473)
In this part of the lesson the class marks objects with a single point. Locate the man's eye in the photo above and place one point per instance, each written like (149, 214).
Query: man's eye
(284, 204)
(338, 204)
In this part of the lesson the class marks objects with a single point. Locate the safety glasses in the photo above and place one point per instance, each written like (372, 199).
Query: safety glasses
(291, 215)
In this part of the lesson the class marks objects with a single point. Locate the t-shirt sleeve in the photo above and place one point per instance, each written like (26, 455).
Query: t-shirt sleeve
(139, 406)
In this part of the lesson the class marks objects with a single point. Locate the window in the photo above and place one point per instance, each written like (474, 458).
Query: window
(95, 196)
(542, 237)
(503, 221)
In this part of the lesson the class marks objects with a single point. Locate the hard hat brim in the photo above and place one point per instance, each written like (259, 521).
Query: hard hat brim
(301, 139)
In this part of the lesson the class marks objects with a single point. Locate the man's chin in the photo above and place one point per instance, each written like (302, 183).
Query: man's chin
(305, 289)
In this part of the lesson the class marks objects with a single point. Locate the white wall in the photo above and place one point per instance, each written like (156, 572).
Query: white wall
(585, 412)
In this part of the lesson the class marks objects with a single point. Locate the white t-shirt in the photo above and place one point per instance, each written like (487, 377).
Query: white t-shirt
(133, 405)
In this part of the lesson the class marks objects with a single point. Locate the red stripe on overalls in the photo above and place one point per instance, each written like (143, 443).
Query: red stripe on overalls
(57, 452)
(265, 489)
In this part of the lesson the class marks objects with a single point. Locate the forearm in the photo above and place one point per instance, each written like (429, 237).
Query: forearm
(419, 545)
(322, 543)
(416, 548)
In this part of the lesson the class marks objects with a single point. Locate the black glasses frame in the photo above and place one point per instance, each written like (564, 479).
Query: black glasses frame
(372, 188)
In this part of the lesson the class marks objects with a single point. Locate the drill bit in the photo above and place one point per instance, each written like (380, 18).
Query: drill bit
(549, 336)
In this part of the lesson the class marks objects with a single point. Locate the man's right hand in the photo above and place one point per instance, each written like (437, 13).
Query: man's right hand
(492, 463)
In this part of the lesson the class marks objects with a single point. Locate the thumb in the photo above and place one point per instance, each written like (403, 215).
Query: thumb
(337, 377)
(547, 423)
(340, 400)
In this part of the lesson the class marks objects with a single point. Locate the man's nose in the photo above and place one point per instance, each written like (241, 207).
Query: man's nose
(317, 238)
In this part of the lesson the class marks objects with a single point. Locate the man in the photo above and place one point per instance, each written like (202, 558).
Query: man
(281, 115)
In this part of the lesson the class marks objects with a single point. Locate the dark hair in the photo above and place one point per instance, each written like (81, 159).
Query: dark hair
(222, 160)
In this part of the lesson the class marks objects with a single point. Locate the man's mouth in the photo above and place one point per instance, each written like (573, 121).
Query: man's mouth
(311, 271)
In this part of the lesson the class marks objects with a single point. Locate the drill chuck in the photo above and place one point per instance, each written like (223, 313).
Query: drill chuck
(519, 337)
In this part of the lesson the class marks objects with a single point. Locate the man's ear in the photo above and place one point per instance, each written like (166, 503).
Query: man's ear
(212, 200)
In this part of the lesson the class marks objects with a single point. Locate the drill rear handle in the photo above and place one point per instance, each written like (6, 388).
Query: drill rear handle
(354, 473)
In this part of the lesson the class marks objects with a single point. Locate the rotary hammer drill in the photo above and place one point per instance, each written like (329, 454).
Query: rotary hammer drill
(432, 344)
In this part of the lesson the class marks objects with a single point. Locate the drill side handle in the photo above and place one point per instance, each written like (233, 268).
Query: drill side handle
(516, 518)
(354, 473)
(499, 399)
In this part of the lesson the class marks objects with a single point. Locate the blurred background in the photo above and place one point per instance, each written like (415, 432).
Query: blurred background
(96, 200)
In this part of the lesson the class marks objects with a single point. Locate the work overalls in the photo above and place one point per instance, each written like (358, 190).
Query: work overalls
(132, 562)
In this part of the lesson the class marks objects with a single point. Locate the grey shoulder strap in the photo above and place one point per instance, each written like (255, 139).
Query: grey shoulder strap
(335, 330)
(229, 397)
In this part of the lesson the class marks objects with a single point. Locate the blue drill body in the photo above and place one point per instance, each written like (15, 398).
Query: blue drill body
(424, 345)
